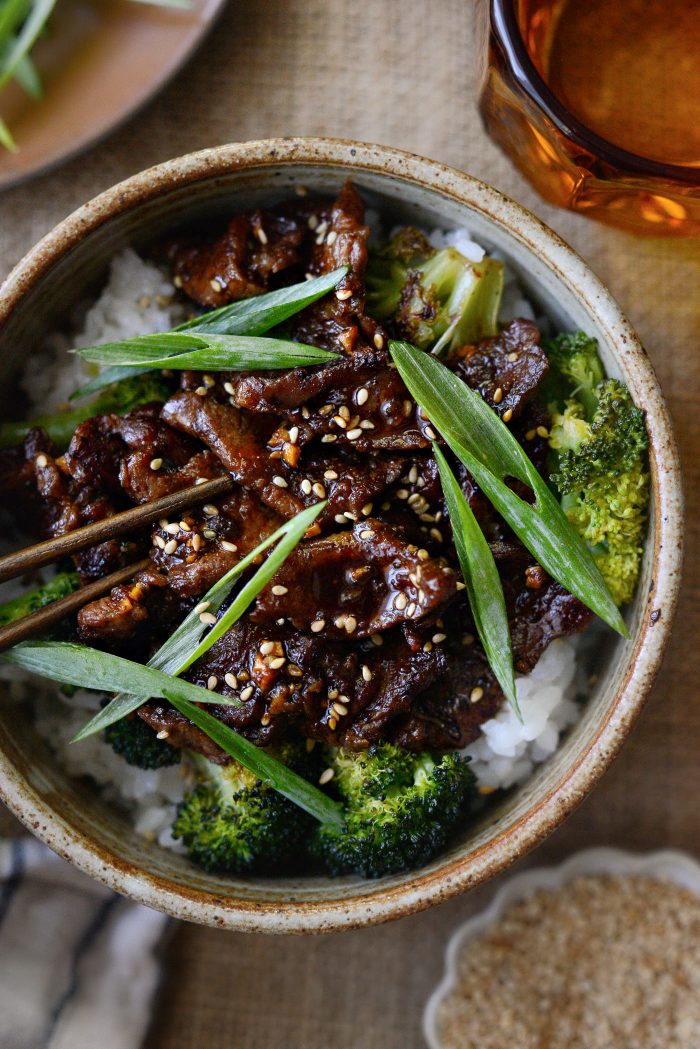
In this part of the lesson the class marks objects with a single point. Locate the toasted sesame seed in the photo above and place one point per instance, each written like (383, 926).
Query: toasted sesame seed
(468, 639)
(42, 460)
(328, 438)
(331, 238)
(201, 480)
(209, 381)
(428, 646)
(202, 607)
(265, 719)
(278, 662)
(436, 534)
(319, 490)
(400, 601)
(402, 493)
(207, 618)
(326, 409)
(366, 672)
(326, 776)
(362, 395)
(172, 529)
(507, 415)
(197, 542)
(305, 412)
(376, 640)
(266, 647)
(350, 516)
(437, 638)
(261, 235)
(460, 585)
(312, 221)
(542, 431)
(229, 388)
(430, 433)
(209, 510)
(159, 542)
(340, 709)
(498, 395)
(201, 391)
(247, 693)
(411, 610)
(350, 624)
(367, 509)
(184, 526)
(423, 555)
(512, 357)
(306, 486)
(413, 474)
(317, 626)
(530, 435)
(378, 340)
(343, 294)
(215, 284)
(170, 547)
(293, 434)
(279, 481)
(212, 682)
(163, 734)
(178, 281)
(352, 435)
(231, 680)
(330, 475)
(476, 694)
(340, 519)
(278, 590)
(340, 421)
(226, 545)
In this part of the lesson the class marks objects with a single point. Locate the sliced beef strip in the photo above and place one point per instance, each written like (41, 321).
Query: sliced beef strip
(512, 362)
(236, 441)
(343, 694)
(244, 260)
(205, 548)
(355, 583)
(370, 412)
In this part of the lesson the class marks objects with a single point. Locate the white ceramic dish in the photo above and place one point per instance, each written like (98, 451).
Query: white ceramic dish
(676, 866)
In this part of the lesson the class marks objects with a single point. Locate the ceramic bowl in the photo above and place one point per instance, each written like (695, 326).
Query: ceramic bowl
(73, 258)
(667, 865)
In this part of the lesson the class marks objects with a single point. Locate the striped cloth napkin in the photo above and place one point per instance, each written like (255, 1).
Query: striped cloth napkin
(78, 964)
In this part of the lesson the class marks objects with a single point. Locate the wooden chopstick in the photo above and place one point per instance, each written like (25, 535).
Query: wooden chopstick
(128, 521)
(45, 617)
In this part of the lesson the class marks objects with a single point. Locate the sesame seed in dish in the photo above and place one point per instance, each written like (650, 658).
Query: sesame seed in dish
(605, 962)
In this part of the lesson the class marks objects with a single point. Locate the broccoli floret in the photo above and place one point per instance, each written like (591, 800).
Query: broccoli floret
(437, 300)
(601, 475)
(60, 586)
(576, 370)
(118, 399)
(139, 745)
(234, 823)
(399, 809)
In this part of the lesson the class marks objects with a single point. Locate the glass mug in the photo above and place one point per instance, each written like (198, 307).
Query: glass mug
(525, 45)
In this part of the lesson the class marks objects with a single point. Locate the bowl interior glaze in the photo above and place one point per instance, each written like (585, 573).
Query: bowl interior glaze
(72, 261)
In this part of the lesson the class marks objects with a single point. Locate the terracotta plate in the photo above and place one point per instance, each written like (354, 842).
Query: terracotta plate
(101, 61)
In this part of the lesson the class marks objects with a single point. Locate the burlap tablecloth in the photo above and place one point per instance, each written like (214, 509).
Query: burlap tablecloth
(398, 73)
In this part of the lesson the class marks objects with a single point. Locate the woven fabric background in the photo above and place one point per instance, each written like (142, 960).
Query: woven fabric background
(398, 72)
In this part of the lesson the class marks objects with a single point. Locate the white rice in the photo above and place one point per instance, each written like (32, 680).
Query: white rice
(135, 300)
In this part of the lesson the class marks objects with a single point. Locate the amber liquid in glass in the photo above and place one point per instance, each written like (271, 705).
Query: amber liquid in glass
(597, 102)
(627, 69)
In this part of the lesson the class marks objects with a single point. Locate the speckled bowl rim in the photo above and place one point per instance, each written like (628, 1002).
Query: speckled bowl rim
(423, 888)
(670, 864)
